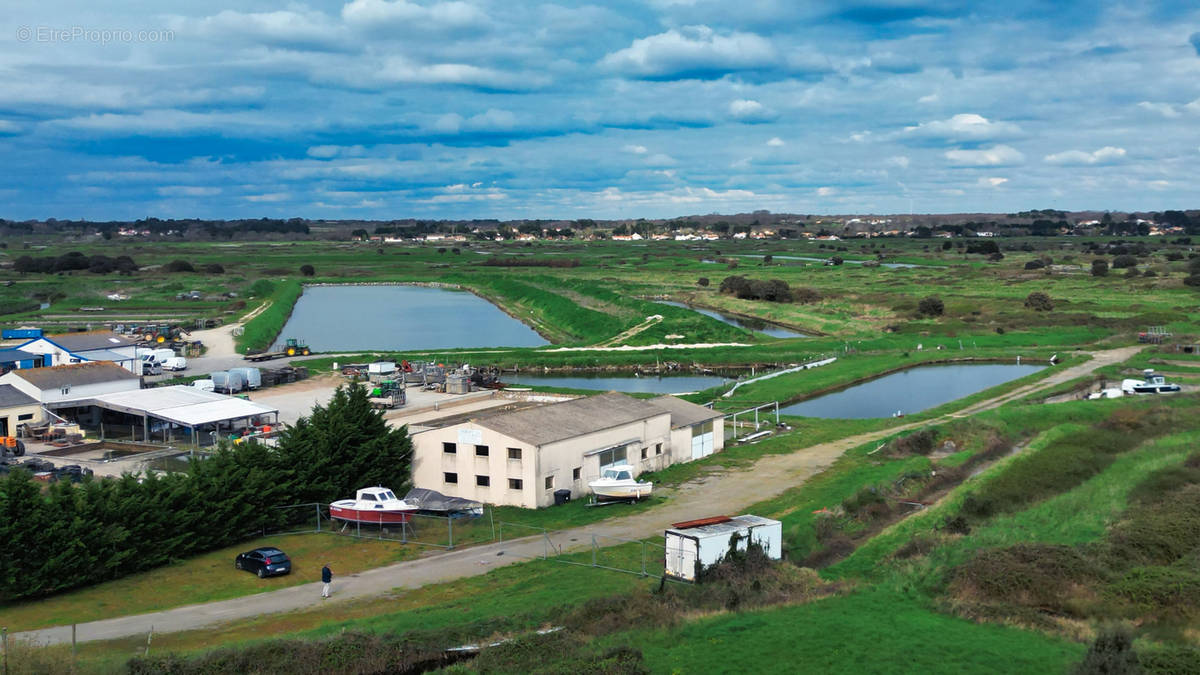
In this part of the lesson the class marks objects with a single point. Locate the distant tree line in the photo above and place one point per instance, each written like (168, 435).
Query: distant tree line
(73, 535)
(74, 261)
(509, 261)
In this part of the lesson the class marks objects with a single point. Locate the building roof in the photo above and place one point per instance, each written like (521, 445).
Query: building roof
(577, 417)
(82, 342)
(180, 404)
(11, 355)
(684, 413)
(106, 355)
(11, 397)
(78, 374)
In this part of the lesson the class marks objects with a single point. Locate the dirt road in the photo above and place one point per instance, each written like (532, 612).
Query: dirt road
(718, 493)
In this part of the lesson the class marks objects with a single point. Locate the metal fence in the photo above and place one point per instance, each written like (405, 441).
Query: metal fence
(574, 547)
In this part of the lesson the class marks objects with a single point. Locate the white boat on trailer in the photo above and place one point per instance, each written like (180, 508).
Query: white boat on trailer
(617, 482)
(1151, 383)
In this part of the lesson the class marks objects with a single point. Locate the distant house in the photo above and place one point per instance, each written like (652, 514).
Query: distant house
(12, 359)
(71, 382)
(61, 350)
(521, 458)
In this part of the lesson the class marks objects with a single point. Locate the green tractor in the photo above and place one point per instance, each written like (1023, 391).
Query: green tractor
(296, 346)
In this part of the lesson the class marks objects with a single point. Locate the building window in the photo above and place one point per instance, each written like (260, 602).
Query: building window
(644, 451)
(66, 390)
(26, 416)
(450, 478)
(576, 472)
(449, 448)
(481, 451)
(483, 481)
(658, 448)
(613, 456)
(549, 482)
(514, 483)
(514, 453)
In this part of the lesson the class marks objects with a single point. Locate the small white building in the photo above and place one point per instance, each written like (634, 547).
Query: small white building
(17, 408)
(693, 546)
(521, 458)
(69, 383)
(85, 347)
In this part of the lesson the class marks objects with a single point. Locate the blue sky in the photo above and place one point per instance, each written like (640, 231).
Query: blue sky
(465, 109)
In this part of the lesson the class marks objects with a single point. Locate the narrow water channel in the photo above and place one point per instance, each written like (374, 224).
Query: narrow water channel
(653, 384)
(910, 391)
(741, 322)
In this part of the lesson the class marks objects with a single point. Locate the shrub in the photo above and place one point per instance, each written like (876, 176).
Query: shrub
(1039, 301)
(1123, 261)
(1034, 265)
(1041, 576)
(837, 260)
(917, 443)
(214, 268)
(1099, 268)
(931, 306)
(702, 282)
(1174, 255)
(1149, 273)
(307, 270)
(179, 266)
(1111, 654)
(806, 295)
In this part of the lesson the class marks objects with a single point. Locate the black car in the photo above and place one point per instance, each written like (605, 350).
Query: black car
(264, 562)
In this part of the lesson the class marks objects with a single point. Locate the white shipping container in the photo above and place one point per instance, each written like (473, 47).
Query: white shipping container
(692, 549)
(381, 367)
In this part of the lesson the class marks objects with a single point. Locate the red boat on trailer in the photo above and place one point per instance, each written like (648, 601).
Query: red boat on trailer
(374, 505)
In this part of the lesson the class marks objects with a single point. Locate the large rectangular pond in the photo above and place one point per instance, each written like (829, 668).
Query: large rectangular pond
(355, 318)
(741, 322)
(652, 384)
(910, 391)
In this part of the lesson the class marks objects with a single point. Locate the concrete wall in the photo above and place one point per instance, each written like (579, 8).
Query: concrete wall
(556, 461)
(12, 416)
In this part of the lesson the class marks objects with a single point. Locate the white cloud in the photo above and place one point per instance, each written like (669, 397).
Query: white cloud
(997, 155)
(963, 127)
(929, 98)
(635, 149)
(401, 69)
(267, 197)
(748, 110)
(826, 191)
(992, 182)
(1165, 109)
(331, 151)
(279, 27)
(381, 14)
(692, 50)
(187, 191)
(776, 142)
(8, 127)
(899, 161)
(660, 159)
(1106, 155)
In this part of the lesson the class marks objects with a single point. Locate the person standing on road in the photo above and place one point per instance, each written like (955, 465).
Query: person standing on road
(326, 578)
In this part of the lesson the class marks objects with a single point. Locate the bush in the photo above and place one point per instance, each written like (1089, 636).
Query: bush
(702, 282)
(1111, 654)
(1034, 265)
(214, 268)
(1123, 261)
(806, 295)
(773, 290)
(179, 266)
(931, 306)
(307, 270)
(1039, 576)
(837, 260)
(917, 443)
(1099, 268)
(1039, 302)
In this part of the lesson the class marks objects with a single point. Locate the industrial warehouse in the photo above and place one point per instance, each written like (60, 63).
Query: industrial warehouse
(523, 458)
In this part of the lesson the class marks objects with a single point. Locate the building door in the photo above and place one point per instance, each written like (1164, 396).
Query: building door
(702, 440)
(681, 558)
(3, 426)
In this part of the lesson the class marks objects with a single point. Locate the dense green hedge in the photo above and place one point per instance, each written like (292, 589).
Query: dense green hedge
(74, 535)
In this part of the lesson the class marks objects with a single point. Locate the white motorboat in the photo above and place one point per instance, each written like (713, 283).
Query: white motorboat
(377, 505)
(1151, 383)
(617, 482)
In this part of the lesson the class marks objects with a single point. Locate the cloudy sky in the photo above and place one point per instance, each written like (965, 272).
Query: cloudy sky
(511, 109)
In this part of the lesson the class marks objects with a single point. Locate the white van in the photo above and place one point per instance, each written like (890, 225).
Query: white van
(204, 385)
(175, 363)
(150, 365)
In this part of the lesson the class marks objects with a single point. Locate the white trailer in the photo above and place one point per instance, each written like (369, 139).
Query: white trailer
(696, 545)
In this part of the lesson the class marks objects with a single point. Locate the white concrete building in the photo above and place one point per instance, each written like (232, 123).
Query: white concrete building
(17, 408)
(69, 383)
(85, 347)
(520, 458)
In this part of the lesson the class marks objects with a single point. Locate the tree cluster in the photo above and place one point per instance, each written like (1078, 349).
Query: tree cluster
(771, 290)
(73, 535)
(68, 262)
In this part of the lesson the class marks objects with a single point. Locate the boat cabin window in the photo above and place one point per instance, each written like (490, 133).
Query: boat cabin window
(617, 474)
(389, 495)
(367, 496)
(623, 475)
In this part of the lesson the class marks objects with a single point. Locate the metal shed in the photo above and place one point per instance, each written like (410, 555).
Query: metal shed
(695, 545)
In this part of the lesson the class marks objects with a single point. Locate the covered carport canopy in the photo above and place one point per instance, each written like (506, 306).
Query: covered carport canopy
(180, 405)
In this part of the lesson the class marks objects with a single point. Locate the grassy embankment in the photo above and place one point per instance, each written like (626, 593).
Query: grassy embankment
(263, 330)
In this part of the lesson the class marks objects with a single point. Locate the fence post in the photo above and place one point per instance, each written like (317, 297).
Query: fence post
(545, 545)
(74, 653)
(593, 550)
(404, 531)
(149, 637)
(318, 505)
(492, 520)
(4, 638)
(501, 532)
(450, 532)
(643, 558)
